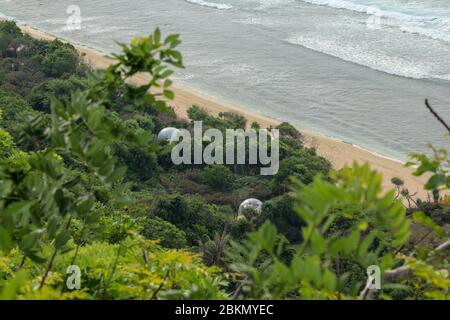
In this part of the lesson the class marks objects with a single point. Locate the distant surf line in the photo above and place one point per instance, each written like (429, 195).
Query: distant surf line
(221, 6)
(406, 22)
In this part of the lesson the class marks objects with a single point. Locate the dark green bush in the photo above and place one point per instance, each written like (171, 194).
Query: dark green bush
(218, 177)
(61, 62)
(61, 89)
(168, 235)
(303, 167)
(192, 215)
(280, 212)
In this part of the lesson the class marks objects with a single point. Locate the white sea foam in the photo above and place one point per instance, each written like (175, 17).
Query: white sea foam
(430, 33)
(221, 6)
(368, 8)
(267, 4)
(183, 77)
(411, 19)
(445, 77)
(376, 60)
(92, 29)
(58, 21)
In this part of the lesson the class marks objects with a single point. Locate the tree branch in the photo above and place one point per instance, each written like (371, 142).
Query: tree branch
(434, 113)
(442, 247)
(398, 274)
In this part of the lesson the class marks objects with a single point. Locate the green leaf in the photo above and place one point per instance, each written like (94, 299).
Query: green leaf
(365, 245)
(436, 181)
(167, 83)
(171, 38)
(30, 240)
(421, 217)
(329, 280)
(61, 201)
(352, 241)
(157, 36)
(72, 183)
(6, 243)
(18, 207)
(318, 244)
(85, 204)
(117, 174)
(166, 74)
(169, 94)
(12, 287)
(62, 238)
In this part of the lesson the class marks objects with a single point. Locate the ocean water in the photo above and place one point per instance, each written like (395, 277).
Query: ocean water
(356, 70)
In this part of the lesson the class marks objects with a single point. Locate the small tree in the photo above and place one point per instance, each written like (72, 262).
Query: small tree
(218, 177)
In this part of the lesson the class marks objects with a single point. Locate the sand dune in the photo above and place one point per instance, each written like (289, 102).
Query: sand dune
(337, 152)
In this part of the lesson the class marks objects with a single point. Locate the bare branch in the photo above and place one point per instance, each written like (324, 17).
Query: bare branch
(437, 116)
(398, 274)
(444, 246)
(366, 293)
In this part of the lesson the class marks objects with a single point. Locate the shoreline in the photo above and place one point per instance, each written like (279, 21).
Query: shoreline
(271, 121)
(338, 152)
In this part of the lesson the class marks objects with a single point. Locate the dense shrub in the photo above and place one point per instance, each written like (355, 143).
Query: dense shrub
(190, 214)
(142, 164)
(303, 167)
(15, 112)
(289, 134)
(280, 211)
(117, 271)
(225, 120)
(166, 233)
(42, 94)
(9, 36)
(218, 177)
(60, 63)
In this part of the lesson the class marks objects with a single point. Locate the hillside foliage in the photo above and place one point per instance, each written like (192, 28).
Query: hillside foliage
(84, 181)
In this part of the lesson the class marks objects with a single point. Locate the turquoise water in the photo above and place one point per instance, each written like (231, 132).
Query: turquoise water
(356, 70)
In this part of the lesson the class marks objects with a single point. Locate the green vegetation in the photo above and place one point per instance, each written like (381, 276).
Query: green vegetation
(84, 181)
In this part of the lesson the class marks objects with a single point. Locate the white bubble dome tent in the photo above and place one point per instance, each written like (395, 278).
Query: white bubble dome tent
(169, 134)
(251, 203)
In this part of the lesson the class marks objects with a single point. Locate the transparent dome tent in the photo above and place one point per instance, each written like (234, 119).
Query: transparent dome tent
(251, 203)
(169, 134)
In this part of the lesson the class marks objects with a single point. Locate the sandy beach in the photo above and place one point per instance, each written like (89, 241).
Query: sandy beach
(337, 152)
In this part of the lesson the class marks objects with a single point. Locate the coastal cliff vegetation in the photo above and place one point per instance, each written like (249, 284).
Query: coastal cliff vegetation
(84, 181)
